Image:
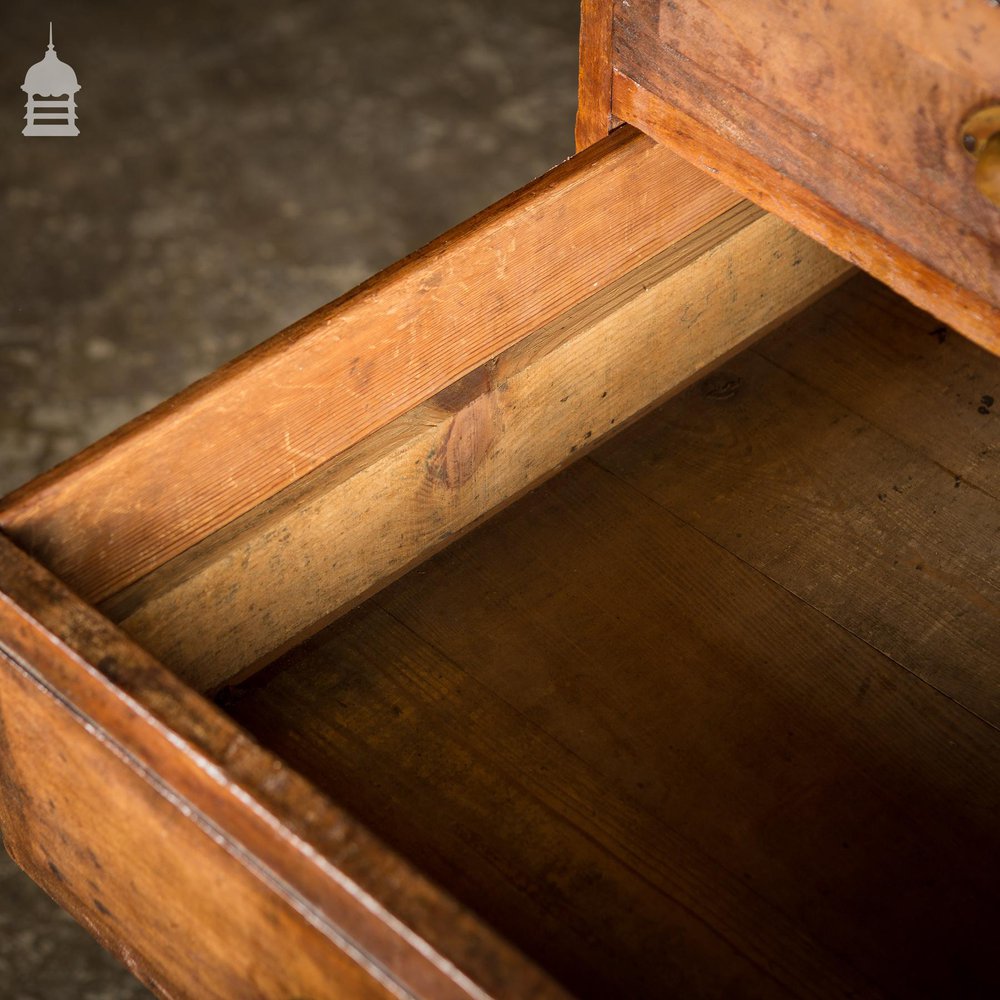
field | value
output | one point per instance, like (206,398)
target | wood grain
(887,82)
(227,605)
(656,770)
(861,525)
(904,372)
(129,503)
(515,823)
(153,885)
(859,150)
(593,114)
(203,861)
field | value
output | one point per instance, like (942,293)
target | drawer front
(211,869)
(164,892)
(846,119)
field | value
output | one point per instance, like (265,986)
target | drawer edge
(191,852)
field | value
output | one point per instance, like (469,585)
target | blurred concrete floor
(238,166)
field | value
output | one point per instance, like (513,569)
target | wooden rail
(125,506)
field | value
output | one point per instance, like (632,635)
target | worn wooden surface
(869,506)
(904,373)
(292,564)
(521,786)
(151,490)
(593,114)
(845,121)
(207,865)
(152,885)
(669,723)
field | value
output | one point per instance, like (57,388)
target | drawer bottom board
(714,712)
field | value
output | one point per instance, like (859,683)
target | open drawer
(711,713)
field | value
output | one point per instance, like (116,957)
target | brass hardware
(981,141)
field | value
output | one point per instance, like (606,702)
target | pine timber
(713,712)
(200,859)
(893,543)
(126,505)
(226,606)
(845,121)
(638,722)
(593,115)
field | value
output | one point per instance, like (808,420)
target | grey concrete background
(238,166)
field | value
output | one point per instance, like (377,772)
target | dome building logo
(51,86)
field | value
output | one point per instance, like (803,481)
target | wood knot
(468,436)
(721,385)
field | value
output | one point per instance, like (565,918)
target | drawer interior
(714,711)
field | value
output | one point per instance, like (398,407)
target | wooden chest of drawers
(714,712)
(849,120)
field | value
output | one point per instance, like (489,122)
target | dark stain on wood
(721,385)
(469,434)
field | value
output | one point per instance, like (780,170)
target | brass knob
(988,169)
(981,140)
